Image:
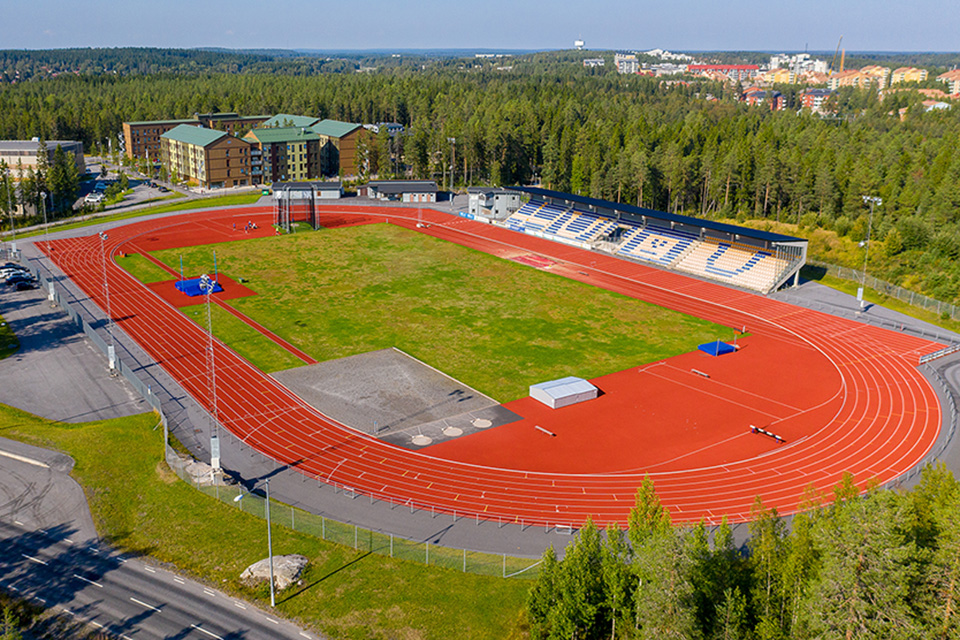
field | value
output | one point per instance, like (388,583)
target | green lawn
(8,341)
(142,269)
(140,506)
(493,324)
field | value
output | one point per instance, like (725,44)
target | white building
(626,62)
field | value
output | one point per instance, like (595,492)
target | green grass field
(493,324)
(142,269)
(140,506)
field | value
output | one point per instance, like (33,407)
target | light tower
(871,200)
(207,285)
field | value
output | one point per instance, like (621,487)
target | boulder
(286,571)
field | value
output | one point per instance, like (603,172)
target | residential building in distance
(626,62)
(874,75)
(908,74)
(798,63)
(849,78)
(283,120)
(952,80)
(27,153)
(773,99)
(213,159)
(392,128)
(142,138)
(813,99)
(777,76)
(732,72)
(400,190)
(593,62)
(283,154)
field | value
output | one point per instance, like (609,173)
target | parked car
(6,273)
(19,277)
(26,285)
(93,198)
(100,186)
(162,189)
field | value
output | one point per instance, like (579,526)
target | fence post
(391,545)
(323,527)
(504,565)
(356,544)
(426,546)
(464,560)
(293,522)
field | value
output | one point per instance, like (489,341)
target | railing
(904,295)
(350,535)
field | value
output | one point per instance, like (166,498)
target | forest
(692,148)
(884,565)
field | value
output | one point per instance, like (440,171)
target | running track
(887,416)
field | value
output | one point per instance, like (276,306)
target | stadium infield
(878,419)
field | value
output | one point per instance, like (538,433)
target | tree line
(884,565)
(690,148)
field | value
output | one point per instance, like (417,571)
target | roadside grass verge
(202,203)
(495,325)
(9,344)
(141,507)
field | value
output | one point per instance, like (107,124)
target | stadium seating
(655,244)
(737,264)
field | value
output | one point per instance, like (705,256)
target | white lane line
(18,523)
(96,624)
(238,605)
(144,604)
(37,560)
(14,456)
(149,569)
(210,593)
(39,599)
(68,540)
(88,581)
(304,635)
(125,637)
(202,630)
(178,580)
(271,620)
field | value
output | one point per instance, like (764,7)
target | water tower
(578,44)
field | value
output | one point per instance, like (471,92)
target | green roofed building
(141,138)
(338,143)
(285,120)
(213,159)
(284,154)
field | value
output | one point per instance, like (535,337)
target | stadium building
(739,256)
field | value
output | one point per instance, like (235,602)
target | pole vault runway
(878,421)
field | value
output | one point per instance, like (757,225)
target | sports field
(496,325)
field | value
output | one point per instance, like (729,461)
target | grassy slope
(8,341)
(493,324)
(140,506)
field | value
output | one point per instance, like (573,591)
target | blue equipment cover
(716,348)
(192,287)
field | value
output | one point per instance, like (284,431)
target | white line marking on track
(14,456)
(68,540)
(149,569)
(18,523)
(210,593)
(37,560)
(202,630)
(179,581)
(88,581)
(144,604)
(271,620)
(304,635)
(238,605)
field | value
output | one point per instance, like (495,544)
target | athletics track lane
(888,418)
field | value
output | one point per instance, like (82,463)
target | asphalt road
(49,555)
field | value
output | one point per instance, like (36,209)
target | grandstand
(739,256)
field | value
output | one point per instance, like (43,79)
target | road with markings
(50,562)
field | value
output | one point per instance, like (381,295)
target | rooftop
(194,135)
(287,120)
(282,134)
(335,128)
(404,186)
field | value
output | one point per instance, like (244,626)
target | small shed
(563,392)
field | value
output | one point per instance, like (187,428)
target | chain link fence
(894,291)
(345,534)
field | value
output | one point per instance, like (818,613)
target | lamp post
(453,165)
(46,229)
(266,484)
(207,285)
(111,349)
(13,225)
(871,200)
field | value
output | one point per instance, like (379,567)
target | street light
(871,200)
(207,285)
(266,483)
(43,203)
(111,349)
(13,225)
(453,165)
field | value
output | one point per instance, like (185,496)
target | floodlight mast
(871,200)
(111,349)
(207,285)
(266,484)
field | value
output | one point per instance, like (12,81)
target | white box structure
(563,392)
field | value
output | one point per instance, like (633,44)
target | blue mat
(716,348)
(192,287)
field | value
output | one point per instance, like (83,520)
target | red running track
(881,420)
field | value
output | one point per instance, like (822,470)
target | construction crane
(833,63)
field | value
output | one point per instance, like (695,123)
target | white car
(93,198)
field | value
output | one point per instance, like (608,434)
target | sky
(678,25)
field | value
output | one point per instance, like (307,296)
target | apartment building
(284,154)
(142,138)
(212,159)
(908,74)
(732,72)
(952,80)
(338,146)
(626,62)
(814,99)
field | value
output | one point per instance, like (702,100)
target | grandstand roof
(596,203)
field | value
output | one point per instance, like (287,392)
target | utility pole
(871,200)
